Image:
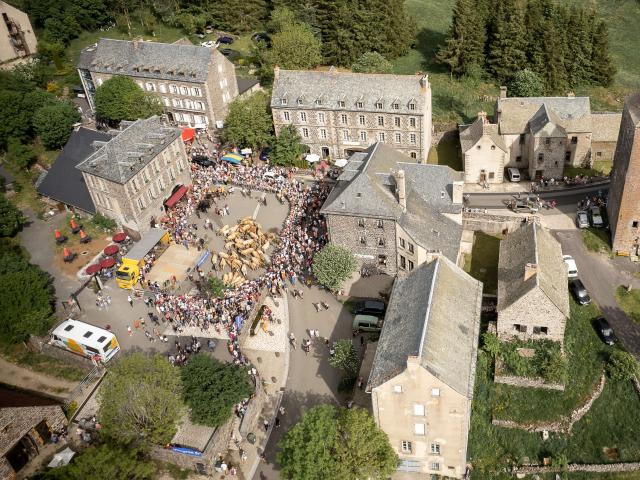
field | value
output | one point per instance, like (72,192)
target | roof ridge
(429,302)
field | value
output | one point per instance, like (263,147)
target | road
(563,198)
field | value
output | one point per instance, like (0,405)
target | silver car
(582,219)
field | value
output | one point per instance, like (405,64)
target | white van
(514,174)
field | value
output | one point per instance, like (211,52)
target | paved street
(570,197)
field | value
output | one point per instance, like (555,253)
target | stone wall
(494,224)
(40,345)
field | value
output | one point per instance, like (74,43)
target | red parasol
(108,262)
(93,269)
(119,237)
(111,250)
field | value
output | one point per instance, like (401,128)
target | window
(68,328)
(359,104)
(382,260)
(435,448)
(286,116)
(435,466)
(305,132)
(340,103)
(418,428)
(418,410)
(91,349)
(303,116)
(363,240)
(323,133)
(318,101)
(345,135)
(381,242)
(398,137)
(177,103)
(163,88)
(412,138)
(397,389)
(520,328)
(412,106)
(402,243)
(102,339)
(196,91)
(574,140)
(361,120)
(299,101)
(160,184)
(435,392)
(395,106)
(410,245)
(403,262)
(493,147)
(135,184)
(519,158)
(87,334)
(381,136)
(492,175)
(140,203)
(380,121)
(540,330)
(199,105)
(410,265)
(363,136)
(567,157)
(172,175)
(151,194)
(547,141)
(598,154)
(166,102)
(151,87)
(283,101)
(361,222)
(379,105)
(541,158)
(405,446)
(634,224)
(380,223)
(412,122)
(145,175)
(522,138)
(343,119)
(396,121)
(321,118)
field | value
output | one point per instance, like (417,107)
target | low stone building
(131,176)
(533,298)
(623,207)
(23,430)
(423,372)
(338,113)
(606,127)
(17,38)
(394,214)
(484,153)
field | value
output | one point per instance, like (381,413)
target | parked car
(367,323)
(572,268)
(227,40)
(264,154)
(580,292)
(202,160)
(605,331)
(596,217)
(226,51)
(523,206)
(262,37)
(514,174)
(370,307)
(582,219)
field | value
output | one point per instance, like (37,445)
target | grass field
(455,101)
(597,240)
(629,302)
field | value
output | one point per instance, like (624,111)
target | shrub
(333,266)
(622,366)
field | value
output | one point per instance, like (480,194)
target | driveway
(602,275)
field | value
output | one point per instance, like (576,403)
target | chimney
(276,71)
(424,81)
(457,192)
(530,269)
(401,189)
(483,116)
(571,95)
(503,92)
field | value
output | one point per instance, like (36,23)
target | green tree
(333,265)
(216,287)
(54,123)
(603,69)
(120,98)
(622,366)
(506,43)
(281,18)
(11,219)
(287,148)
(346,358)
(15,121)
(140,400)
(248,123)
(211,389)
(105,462)
(491,344)
(372,62)
(19,155)
(295,48)
(526,83)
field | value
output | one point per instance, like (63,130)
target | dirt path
(21,377)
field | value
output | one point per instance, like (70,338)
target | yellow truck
(128,273)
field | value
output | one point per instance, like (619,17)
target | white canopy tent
(313,158)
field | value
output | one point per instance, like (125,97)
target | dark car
(605,331)
(580,292)
(370,307)
(226,40)
(262,37)
(226,51)
(202,160)
(264,154)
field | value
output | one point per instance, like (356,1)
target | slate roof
(367,187)
(332,86)
(64,182)
(167,61)
(472,133)
(245,84)
(573,114)
(433,314)
(606,127)
(535,245)
(546,123)
(131,150)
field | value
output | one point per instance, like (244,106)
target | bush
(54,123)
(491,344)
(216,287)
(345,357)
(103,222)
(622,366)
(333,266)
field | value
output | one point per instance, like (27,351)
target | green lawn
(597,240)
(629,302)
(482,264)
(447,152)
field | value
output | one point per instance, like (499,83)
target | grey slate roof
(472,133)
(366,188)
(573,113)
(245,84)
(535,245)
(332,86)
(168,61)
(433,314)
(606,127)
(546,123)
(64,182)
(131,150)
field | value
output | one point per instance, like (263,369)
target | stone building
(23,431)
(195,84)
(339,113)
(623,207)
(131,176)
(606,127)
(423,371)
(394,214)
(483,150)
(17,39)
(533,299)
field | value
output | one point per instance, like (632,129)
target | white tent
(313,158)
(341,163)
(62,458)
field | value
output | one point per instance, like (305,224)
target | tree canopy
(333,265)
(140,400)
(211,389)
(346,358)
(120,98)
(526,83)
(295,47)
(248,123)
(287,148)
(622,366)
(11,219)
(345,442)
(371,62)
(53,123)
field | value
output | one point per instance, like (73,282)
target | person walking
(277,422)
(130,300)
(266,425)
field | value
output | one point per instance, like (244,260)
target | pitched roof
(534,245)
(472,133)
(573,113)
(15,423)
(428,318)
(332,86)
(546,123)
(131,150)
(169,61)
(64,182)
(245,84)
(606,127)
(367,189)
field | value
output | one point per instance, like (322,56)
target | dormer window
(283,101)
(299,101)
(359,104)
(318,101)
(412,106)
(395,106)
(340,103)
(379,105)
